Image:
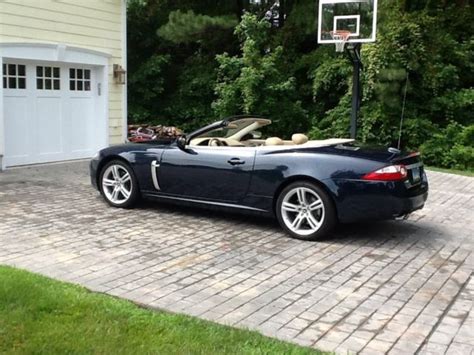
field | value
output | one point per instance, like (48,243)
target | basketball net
(341,38)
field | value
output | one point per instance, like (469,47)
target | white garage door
(51,112)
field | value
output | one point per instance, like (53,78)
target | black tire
(318,222)
(132,185)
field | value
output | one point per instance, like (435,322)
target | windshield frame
(230,130)
(257,121)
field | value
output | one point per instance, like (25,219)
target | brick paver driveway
(399,287)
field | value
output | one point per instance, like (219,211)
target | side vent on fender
(154,175)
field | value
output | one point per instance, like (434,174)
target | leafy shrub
(451,147)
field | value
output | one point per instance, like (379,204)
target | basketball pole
(348,24)
(354,55)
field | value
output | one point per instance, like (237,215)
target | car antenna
(403,112)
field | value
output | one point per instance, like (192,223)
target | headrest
(273,141)
(299,138)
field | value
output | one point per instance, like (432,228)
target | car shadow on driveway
(209,212)
(353,233)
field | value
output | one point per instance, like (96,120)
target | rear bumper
(358,200)
(408,205)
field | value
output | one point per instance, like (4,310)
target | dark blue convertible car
(308,185)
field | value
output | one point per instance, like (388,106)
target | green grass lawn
(42,316)
(452,171)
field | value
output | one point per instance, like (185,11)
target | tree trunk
(281,13)
(240,8)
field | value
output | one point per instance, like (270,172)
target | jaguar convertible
(308,185)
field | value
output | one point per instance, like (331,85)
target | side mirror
(256,134)
(181,142)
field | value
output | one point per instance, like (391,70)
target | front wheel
(305,211)
(118,184)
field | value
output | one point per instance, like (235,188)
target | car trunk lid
(388,156)
(377,153)
(414,165)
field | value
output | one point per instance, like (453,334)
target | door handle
(235,161)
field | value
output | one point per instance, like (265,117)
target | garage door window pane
(11,83)
(79,79)
(14,76)
(11,70)
(44,77)
(87,83)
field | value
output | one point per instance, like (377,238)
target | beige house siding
(90,24)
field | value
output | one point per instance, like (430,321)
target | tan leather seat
(273,141)
(299,138)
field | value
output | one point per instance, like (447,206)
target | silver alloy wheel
(303,211)
(117,184)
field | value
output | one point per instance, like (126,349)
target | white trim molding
(124,65)
(53,52)
(2,125)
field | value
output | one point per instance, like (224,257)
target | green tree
(257,81)
(188,27)
(172,46)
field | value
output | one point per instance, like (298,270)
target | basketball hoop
(340,37)
(351,22)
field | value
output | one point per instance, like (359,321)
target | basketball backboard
(356,19)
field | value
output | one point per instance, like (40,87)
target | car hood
(141,146)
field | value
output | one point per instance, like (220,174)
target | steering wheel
(214,142)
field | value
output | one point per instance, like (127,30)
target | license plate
(416,174)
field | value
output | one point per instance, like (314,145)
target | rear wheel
(305,211)
(118,184)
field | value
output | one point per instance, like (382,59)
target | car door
(214,173)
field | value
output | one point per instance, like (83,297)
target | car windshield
(230,130)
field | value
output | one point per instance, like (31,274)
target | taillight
(389,173)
